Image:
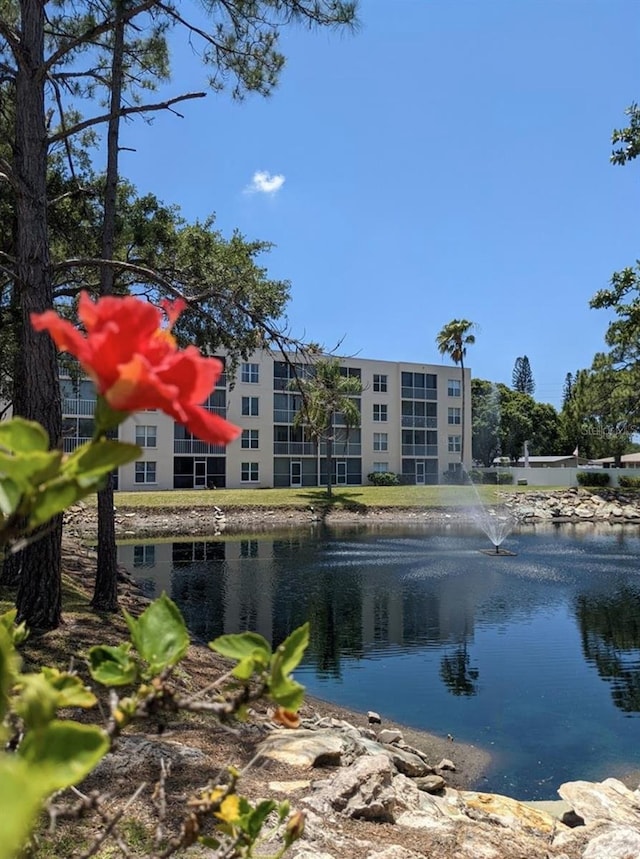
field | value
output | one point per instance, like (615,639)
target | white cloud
(265,183)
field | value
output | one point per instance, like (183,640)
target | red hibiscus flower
(136,364)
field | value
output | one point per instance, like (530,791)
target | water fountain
(495,523)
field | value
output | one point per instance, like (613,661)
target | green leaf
(10,495)
(99,458)
(31,468)
(8,667)
(286,692)
(71,692)
(246,668)
(253,822)
(37,701)
(21,796)
(112,666)
(53,499)
(159,634)
(292,649)
(242,646)
(23,436)
(63,752)
(107,418)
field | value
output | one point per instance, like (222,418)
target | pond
(534,656)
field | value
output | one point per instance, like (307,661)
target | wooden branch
(125,111)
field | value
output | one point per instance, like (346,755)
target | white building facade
(411,424)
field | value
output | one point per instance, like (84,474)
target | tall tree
(242,42)
(453,340)
(567,389)
(485,417)
(522,377)
(327,393)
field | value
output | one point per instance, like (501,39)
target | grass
(347,498)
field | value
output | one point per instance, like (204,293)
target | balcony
(294,448)
(419,449)
(221,411)
(193,446)
(411,422)
(72,407)
(70,443)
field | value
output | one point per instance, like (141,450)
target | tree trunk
(37,387)
(462,416)
(105,594)
(329,458)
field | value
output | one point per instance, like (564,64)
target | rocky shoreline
(615,507)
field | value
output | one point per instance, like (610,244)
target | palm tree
(325,393)
(453,340)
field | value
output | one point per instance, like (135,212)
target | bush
(593,478)
(502,478)
(629,482)
(383,478)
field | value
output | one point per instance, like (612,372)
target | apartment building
(411,424)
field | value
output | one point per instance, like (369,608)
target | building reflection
(271,586)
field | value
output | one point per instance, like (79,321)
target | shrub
(593,478)
(629,482)
(383,478)
(502,478)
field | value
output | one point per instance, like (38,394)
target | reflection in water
(418,625)
(456,672)
(610,627)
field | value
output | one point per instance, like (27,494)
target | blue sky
(449,159)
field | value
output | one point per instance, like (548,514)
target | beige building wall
(248,462)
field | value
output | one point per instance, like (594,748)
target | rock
(609,800)
(395,852)
(289,786)
(388,736)
(363,790)
(430,783)
(509,812)
(374,718)
(617,844)
(406,762)
(446,764)
(303,748)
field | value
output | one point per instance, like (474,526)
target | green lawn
(352,497)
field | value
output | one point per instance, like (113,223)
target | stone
(509,812)
(623,843)
(291,786)
(406,762)
(363,790)
(389,736)
(395,851)
(430,783)
(609,800)
(374,718)
(303,748)
(446,764)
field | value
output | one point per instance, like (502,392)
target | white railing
(186,445)
(70,443)
(75,407)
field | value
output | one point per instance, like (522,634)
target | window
(145,472)
(381,467)
(380,383)
(249,472)
(455,443)
(380,441)
(453,388)
(250,406)
(250,373)
(379,412)
(454,415)
(249,438)
(144,556)
(146,436)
